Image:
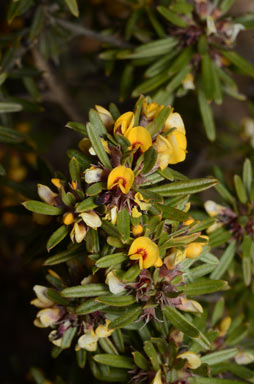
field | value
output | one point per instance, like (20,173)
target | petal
(46,194)
(124,122)
(91,219)
(139,137)
(115,285)
(121,176)
(175,121)
(179,144)
(41,293)
(193,360)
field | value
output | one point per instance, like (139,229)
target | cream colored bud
(42,300)
(213,209)
(93,175)
(56,342)
(175,257)
(190,306)
(46,194)
(91,219)
(244,358)
(157,379)
(88,341)
(193,360)
(78,233)
(115,285)
(188,82)
(49,316)
(177,336)
(105,116)
(92,151)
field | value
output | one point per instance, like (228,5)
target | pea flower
(115,285)
(151,110)
(47,317)
(124,123)
(121,177)
(189,306)
(194,250)
(140,138)
(146,252)
(105,116)
(89,340)
(42,300)
(137,230)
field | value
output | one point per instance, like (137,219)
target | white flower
(48,316)
(42,300)
(115,285)
(46,194)
(88,341)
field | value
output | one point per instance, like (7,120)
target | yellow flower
(194,250)
(142,203)
(175,257)
(121,177)
(103,331)
(178,144)
(68,218)
(135,213)
(164,151)
(137,230)
(124,123)
(146,252)
(139,137)
(224,325)
(174,121)
(193,360)
(111,215)
(151,110)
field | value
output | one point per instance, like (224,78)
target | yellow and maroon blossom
(146,252)
(140,138)
(124,123)
(122,178)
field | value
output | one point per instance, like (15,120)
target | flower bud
(175,257)
(137,230)
(49,316)
(224,325)
(68,218)
(244,358)
(105,116)
(52,338)
(42,300)
(103,331)
(190,306)
(78,232)
(193,360)
(115,285)
(213,209)
(46,194)
(93,175)
(91,219)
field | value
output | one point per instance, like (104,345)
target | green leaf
(207,76)
(246,263)
(117,301)
(81,358)
(84,161)
(217,357)
(123,223)
(247,175)
(95,189)
(68,337)
(155,23)
(110,229)
(246,20)
(154,48)
(178,79)
(107,346)
(97,145)
(10,107)
(171,213)
(218,237)
(243,65)
(126,82)
(212,380)
(140,361)
(43,208)
(157,124)
(225,5)
(57,237)
(207,115)
(96,121)
(152,354)
(181,61)
(86,205)
(225,194)
(88,290)
(74,170)
(37,23)
(240,190)
(126,319)
(78,127)
(55,296)
(152,83)
(109,260)
(184,187)
(160,64)
(89,306)
(218,310)
(10,136)
(172,17)
(150,157)
(73,7)
(203,286)
(64,256)
(180,322)
(115,361)
(225,261)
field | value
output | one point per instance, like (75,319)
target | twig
(58,93)
(83,31)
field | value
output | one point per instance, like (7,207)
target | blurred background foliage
(51,72)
